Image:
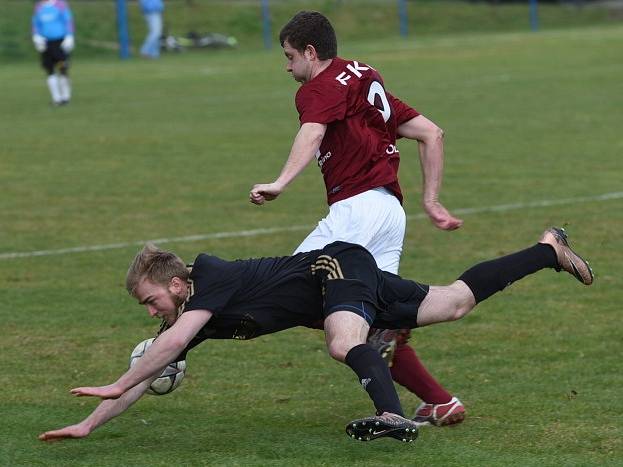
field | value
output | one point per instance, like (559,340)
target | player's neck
(320,67)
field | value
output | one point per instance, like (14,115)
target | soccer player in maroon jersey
(350,123)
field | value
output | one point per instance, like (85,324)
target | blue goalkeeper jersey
(52,19)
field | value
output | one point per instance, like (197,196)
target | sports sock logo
(365,382)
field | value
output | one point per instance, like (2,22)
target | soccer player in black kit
(340,286)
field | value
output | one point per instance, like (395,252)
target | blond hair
(156,265)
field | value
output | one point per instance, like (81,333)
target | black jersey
(253,297)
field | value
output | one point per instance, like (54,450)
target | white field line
(295,228)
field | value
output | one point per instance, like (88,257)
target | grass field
(167,149)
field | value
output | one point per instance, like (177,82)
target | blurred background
(249,21)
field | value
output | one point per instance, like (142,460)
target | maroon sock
(408,371)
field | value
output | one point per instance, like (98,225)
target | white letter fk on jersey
(355,69)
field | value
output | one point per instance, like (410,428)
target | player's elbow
(434,135)
(431,135)
(440,133)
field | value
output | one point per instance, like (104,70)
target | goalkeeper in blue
(53,38)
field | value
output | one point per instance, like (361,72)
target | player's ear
(177,285)
(310,52)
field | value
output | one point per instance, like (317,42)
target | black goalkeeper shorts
(54,56)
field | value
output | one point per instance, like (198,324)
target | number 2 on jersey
(378,98)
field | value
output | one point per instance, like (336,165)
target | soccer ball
(170,378)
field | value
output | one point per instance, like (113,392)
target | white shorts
(373,219)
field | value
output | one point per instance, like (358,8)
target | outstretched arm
(430,142)
(306,144)
(103,412)
(163,351)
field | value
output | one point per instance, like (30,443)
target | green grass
(170,148)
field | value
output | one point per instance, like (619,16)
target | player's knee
(459,312)
(339,350)
(462,300)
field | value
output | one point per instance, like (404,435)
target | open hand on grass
(71,431)
(112,391)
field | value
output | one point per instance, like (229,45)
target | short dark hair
(310,28)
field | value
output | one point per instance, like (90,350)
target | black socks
(490,277)
(375,378)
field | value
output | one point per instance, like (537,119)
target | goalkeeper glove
(68,44)
(39,42)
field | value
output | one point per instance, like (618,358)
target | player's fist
(39,42)
(265,192)
(68,44)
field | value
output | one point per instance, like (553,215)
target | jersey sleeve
(321,104)
(213,283)
(403,112)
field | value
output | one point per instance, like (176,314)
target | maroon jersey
(358,151)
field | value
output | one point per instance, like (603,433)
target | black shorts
(54,55)
(351,281)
